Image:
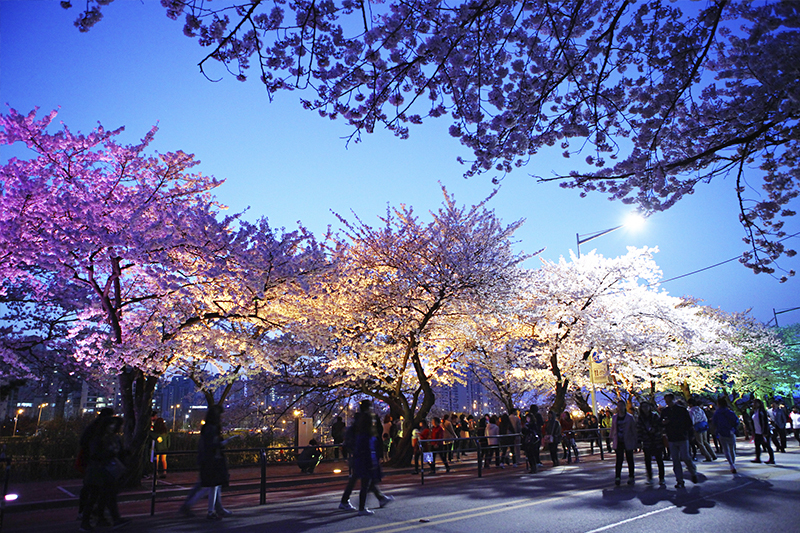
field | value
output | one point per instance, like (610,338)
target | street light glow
(634,221)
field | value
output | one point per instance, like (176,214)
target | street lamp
(174,408)
(633,220)
(19,412)
(39,419)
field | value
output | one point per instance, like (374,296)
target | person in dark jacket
(358,467)
(761,431)
(651,433)
(678,427)
(309,458)
(531,442)
(337,432)
(725,422)
(213,467)
(104,472)
(81,462)
(623,433)
(552,436)
(366,460)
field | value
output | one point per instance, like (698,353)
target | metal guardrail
(481,448)
(263,462)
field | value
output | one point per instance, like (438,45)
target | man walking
(678,427)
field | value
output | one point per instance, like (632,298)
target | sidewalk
(56,501)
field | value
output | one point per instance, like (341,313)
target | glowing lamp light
(11,497)
(337,470)
(634,221)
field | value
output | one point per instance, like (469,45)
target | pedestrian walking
(594,433)
(570,447)
(358,463)
(213,467)
(779,417)
(516,428)
(437,445)
(421,446)
(726,422)
(795,416)
(104,473)
(623,433)
(651,432)
(678,427)
(366,459)
(82,460)
(700,426)
(761,431)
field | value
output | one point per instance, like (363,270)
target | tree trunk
(583,402)
(136,391)
(560,401)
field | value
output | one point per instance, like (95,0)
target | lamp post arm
(591,236)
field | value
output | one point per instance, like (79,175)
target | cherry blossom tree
(131,247)
(767,364)
(385,314)
(649,339)
(656,96)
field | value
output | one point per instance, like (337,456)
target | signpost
(598,370)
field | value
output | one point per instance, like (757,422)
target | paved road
(576,498)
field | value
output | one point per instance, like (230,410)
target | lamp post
(174,409)
(39,419)
(16,418)
(634,219)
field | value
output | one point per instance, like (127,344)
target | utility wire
(720,263)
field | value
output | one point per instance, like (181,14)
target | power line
(720,263)
(701,270)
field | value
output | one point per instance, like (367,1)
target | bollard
(262,499)
(480,457)
(155,478)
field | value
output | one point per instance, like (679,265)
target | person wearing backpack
(700,424)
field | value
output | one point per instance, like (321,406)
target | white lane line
(68,493)
(669,508)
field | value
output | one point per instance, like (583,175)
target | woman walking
(213,467)
(761,431)
(366,459)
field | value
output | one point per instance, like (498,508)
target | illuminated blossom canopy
(129,253)
(655,96)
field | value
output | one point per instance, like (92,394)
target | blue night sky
(136,69)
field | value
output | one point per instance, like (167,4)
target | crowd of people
(674,431)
